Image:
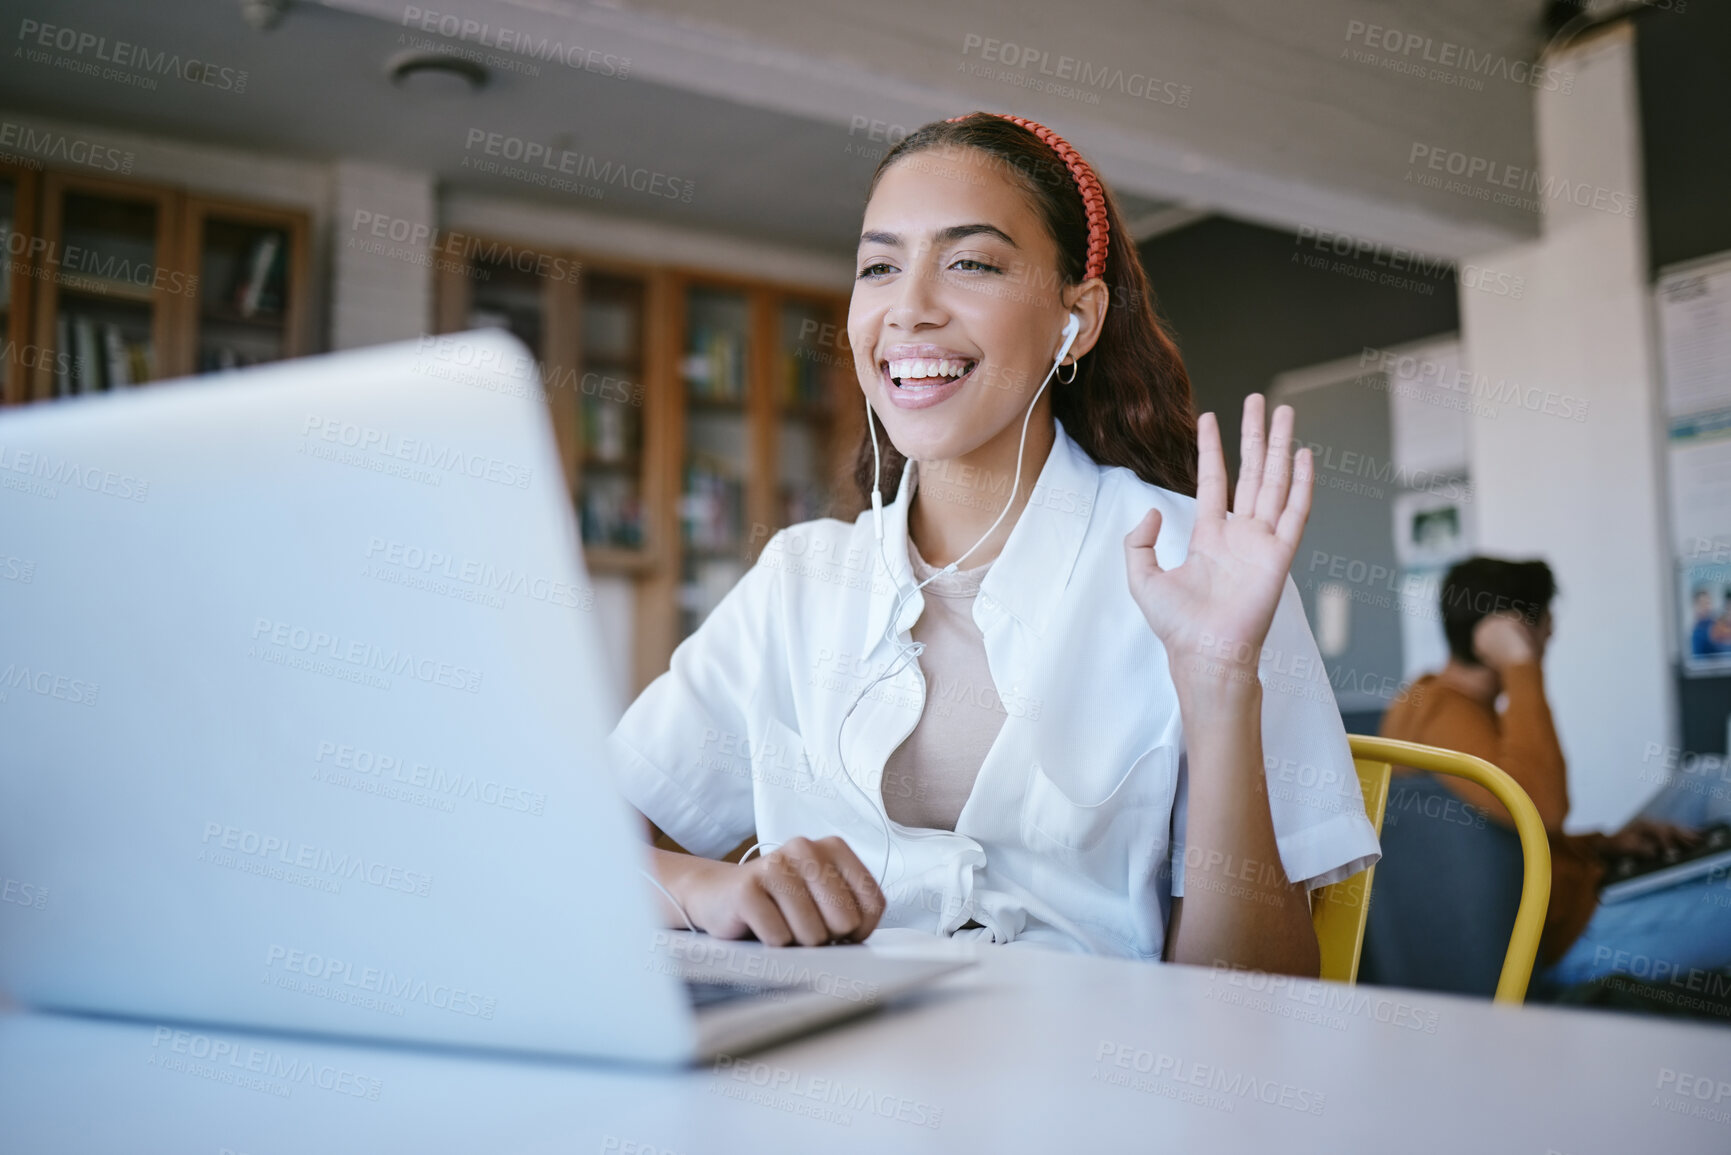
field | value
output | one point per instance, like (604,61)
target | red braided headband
(1093,196)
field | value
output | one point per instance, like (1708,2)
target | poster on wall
(1431,529)
(1695,336)
(1692,304)
(1705,595)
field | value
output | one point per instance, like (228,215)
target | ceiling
(759,104)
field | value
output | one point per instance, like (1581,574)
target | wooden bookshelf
(696,414)
(128,283)
(764,436)
(620,396)
(595,331)
(17,230)
(106,285)
(251,301)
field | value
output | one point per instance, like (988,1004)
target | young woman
(1131,748)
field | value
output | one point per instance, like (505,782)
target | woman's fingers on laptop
(760,913)
(820,893)
(790,875)
(868,899)
(814,893)
(805,892)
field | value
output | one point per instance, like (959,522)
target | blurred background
(1481,245)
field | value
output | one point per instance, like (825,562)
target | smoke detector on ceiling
(263,14)
(435,73)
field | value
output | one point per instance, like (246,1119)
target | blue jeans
(1661,937)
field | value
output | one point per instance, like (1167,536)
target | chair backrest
(1339,911)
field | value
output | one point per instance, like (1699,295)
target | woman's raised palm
(1220,601)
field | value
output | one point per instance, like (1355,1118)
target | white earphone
(909,651)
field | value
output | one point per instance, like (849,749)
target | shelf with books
(110,284)
(17,227)
(585,323)
(712,504)
(717,328)
(129,283)
(721,435)
(505,297)
(811,450)
(107,345)
(613,398)
(249,304)
(810,346)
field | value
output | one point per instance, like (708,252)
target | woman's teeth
(922,372)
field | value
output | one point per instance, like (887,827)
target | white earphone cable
(908,651)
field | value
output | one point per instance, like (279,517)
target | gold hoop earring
(1066,380)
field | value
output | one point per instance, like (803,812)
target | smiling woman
(1127,404)
(1059,743)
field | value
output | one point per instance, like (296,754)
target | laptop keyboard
(706,994)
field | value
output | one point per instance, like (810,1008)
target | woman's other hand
(805,893)
(1213,610)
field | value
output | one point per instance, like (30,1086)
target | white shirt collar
(1034,566)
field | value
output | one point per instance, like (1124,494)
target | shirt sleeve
(681,754)
(1319,821)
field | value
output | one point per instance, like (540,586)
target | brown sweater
(1522,742)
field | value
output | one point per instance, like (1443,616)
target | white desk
(1031,1050)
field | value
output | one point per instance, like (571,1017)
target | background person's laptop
(302,719)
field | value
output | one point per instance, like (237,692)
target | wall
(1584,495)
(1685,91)
(1247,304)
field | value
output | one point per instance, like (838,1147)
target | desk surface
(1031,1050)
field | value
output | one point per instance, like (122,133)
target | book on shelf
(714,368)
(612,512)
(258,289)
(91,356)
(609,429)
(803,381)
(5,263)
(89,378)
(712,505)
(65,357)
(221,358)
(115,357)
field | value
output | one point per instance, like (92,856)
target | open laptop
(302,719)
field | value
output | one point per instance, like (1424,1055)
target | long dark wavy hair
(1130,403)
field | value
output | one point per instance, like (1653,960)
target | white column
(1584,495)
(379,291)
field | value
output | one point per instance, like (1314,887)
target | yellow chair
(1339,911)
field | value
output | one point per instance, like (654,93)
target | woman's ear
(1089,300)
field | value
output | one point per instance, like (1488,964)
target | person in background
(1719,633)
(1448,886)
(1701,640)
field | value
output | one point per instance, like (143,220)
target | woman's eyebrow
(943,236)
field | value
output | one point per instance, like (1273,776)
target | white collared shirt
(1074,833)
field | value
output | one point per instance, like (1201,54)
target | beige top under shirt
(930,775)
